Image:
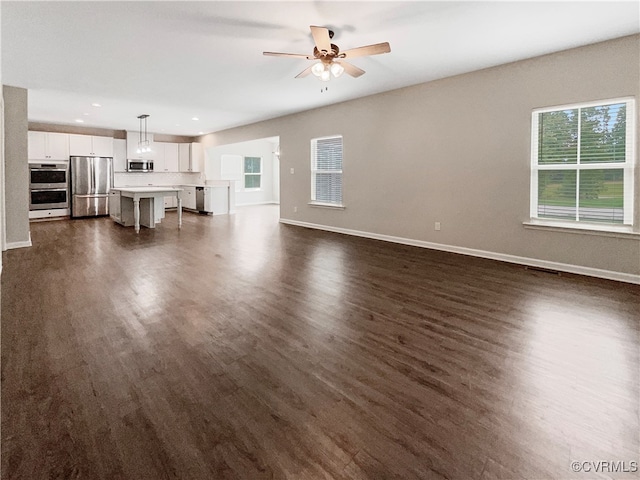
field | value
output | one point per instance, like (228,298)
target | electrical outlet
(437,226)
(291,170)
(295,209)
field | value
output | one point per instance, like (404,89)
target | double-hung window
(326,171)
(582,163)
(252,173)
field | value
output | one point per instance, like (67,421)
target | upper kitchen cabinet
(132,146)
(88,145)
(119,155)
(48,146)
(184,157)
(190,157)
(165,157)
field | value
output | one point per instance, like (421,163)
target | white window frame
(628,167)
(245,174)
(315,170)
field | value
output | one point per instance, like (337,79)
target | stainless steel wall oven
(48,185)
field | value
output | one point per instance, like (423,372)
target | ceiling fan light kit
(327,53)
(337,69)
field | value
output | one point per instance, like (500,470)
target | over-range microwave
(140,165)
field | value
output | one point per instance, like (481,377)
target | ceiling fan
(330,57)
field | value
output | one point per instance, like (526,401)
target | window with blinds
(252,173)
(582,163)
(326,170)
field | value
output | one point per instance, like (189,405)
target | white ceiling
(178,60)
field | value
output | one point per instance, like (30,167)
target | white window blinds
(582,163)
(326,170)
(252,173)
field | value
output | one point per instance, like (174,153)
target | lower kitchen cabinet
(53,213)
(115,207)
(189,198)
(171,202)
(121,211)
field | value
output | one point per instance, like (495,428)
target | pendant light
(144,146)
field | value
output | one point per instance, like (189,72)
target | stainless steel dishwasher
(200,199)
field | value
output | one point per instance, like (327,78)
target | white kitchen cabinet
(171,202)
(121,210)
(158,156)
(53,213)
(89,145)
(197,157)
(102,146)
(171,157)
(190,157)
(115,208)
(189,198)
(184,157)
(48,146)
(165,157)
(119,155)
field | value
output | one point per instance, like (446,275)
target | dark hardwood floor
(241,348)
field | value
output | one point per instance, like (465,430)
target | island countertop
(148,189)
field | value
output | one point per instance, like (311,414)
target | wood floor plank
(242,348)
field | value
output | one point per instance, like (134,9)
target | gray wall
(16,180)
(456,151)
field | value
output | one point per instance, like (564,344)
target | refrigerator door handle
(93,175)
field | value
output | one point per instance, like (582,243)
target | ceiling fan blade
(294,55)
(351,69)
(376,49)
(321,38)
(304,73)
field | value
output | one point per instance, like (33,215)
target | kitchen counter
(151,189)
(127,200)
(219,197)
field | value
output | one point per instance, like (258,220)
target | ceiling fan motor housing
(329,56)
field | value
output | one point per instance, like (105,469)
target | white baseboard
(268,202)
(503,257)
(12,245)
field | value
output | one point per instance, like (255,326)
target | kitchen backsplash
(144,179)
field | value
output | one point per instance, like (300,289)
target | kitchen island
(142,205)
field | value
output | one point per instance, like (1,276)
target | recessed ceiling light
(200,133)
(79,120)
(195,118)
(96,105)
(86,114)
(177,124)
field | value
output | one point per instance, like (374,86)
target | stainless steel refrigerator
(91,179)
